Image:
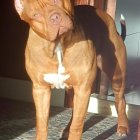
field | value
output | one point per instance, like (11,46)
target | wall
(14,34)
(22,90)
(130,9)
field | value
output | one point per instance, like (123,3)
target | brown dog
(87,37)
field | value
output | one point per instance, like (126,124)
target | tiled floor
(17,122)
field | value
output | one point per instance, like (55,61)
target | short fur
(89,38)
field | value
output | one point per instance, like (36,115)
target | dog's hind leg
(116,74)
(118,86)
(113,63)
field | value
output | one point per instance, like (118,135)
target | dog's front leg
(81,100)
(41,97)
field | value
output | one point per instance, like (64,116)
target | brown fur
(89,39)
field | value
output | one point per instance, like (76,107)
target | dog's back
(97,24)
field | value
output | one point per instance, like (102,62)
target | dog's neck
(73,36)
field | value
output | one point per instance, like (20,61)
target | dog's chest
(58,79)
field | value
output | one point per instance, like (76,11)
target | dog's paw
(122,131)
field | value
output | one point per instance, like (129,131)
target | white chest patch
(58,79)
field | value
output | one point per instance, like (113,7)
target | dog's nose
(55,18)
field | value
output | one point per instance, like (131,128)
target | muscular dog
(85,38)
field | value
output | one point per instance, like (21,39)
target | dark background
(13,37)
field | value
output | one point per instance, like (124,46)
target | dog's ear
(68,6)
(19,6)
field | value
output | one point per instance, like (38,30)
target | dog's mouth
(62,30)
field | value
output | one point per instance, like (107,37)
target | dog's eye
(36,15)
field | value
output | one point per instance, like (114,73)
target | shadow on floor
(17,122)
(17,117)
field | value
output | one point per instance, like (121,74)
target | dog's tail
(123,27)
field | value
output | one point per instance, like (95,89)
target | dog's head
(48,18)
